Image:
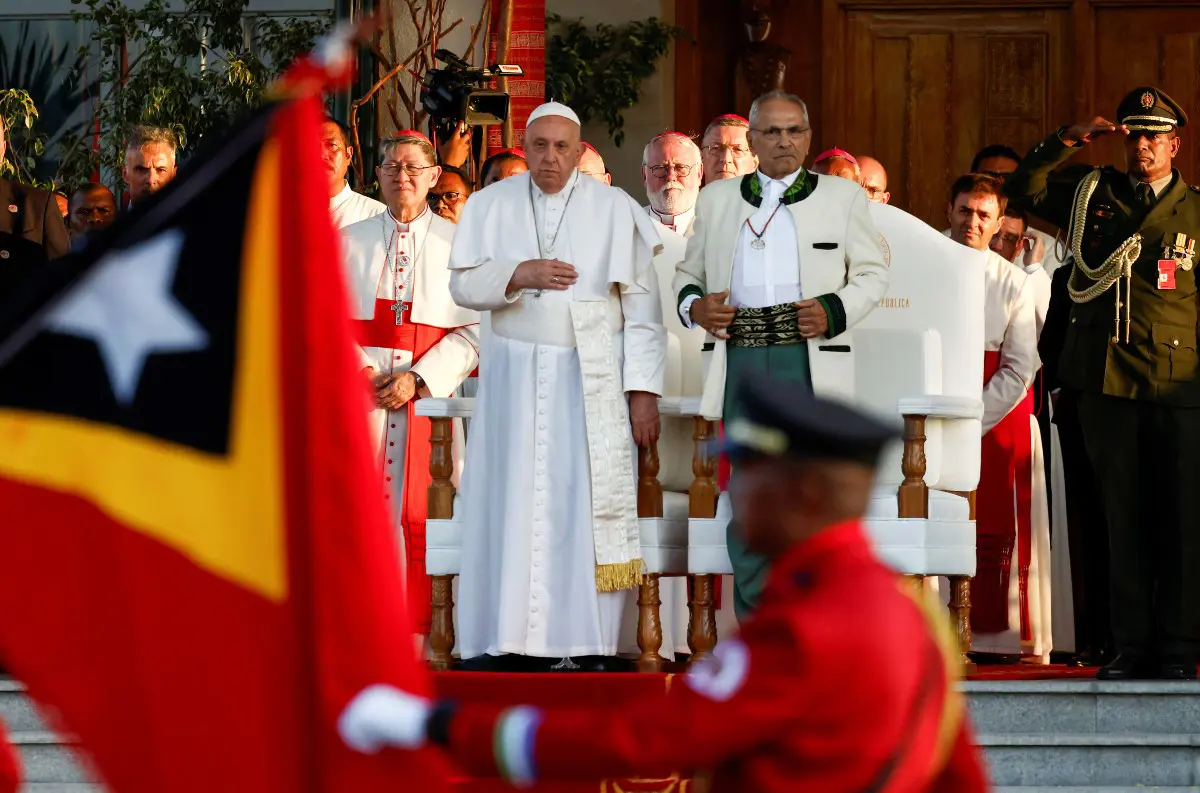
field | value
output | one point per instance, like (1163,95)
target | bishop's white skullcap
(552,109)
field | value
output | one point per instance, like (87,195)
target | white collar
(677,223)
(423,219)
(338,199)
(787,181)
(561,194)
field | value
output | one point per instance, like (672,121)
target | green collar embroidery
(801,188)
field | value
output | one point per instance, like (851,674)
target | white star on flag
(126,307)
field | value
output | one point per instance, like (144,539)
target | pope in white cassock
(1010,594)
(415,342)
(572,368)
(345,205)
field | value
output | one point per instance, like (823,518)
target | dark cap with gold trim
(779,420)
(1149,109)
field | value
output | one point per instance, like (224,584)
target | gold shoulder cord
(1117,266)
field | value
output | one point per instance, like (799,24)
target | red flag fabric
(196,569)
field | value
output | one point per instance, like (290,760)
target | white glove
(382,716)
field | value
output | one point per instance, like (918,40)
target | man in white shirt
(571,374)
(726,149)
(1000,160)
(414,341)
(1016,242)
(770,275)
(345,205)
(1010,613)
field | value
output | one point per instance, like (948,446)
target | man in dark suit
(1130,350)
(32,230)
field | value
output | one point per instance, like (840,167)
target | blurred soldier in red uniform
(797,707)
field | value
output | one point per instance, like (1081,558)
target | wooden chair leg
(649,625)
(441,633)
(702,613)
(917,582)
(913,494)
(702,503)
(960,612)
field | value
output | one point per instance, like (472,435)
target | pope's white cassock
(349,207)
(390,264)
(550,536)
(1011,608)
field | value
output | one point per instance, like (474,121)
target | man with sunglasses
(772,275)
(414,341)
(1130,352)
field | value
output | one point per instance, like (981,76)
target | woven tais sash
(765,327)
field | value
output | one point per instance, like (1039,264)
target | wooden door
(1150,43)
(923,90)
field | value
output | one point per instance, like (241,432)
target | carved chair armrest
(938,406)
(452,408)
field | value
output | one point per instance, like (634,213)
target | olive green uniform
(1139,396)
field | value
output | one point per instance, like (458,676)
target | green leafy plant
(599,71)
(25,144)
(195,66)
(51,97)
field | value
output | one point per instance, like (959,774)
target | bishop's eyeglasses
(393,169)
(662,170)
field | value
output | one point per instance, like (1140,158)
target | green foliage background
(599,71)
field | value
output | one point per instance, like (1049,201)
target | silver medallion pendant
(758,244)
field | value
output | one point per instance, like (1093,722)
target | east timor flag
(196,569)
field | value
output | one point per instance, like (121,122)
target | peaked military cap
(1149,109)
(780,421)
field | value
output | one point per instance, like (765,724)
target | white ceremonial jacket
(684,376)
(348,207)
(840,256)
(452,359)
(1010,326)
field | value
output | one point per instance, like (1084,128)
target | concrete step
(1084,706)
(17,710)
(61,787)
(47,758)
(1094,760)
(1137,789)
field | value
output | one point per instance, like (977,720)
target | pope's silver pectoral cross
(399,307)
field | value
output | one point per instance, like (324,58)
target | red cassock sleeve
(754,688)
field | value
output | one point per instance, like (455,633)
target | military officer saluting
(796,709)
(1130,350)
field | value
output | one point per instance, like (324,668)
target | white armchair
(662,525)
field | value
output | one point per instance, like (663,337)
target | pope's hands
(811,317)
(643,415)
(1090,130)
(383,716)
(711,313)
(393,391)
(543,274)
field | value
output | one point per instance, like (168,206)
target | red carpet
(1032,672)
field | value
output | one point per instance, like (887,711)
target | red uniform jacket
(838,683)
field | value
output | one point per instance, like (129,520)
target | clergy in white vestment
(672,174)
(1016,242)
(1010,594)
(414,341)
(345,205)
(571,375)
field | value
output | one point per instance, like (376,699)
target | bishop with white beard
(572,371)
(415,342)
